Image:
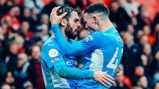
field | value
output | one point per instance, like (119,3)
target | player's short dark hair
(64,9)
(97,8)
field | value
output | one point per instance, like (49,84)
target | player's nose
(79,24)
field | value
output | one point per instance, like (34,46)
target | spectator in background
(17,12)
(156,77)
(139,34)
(28,85)
(131,7)
(1,34)
(130,29)
(154,66)
(156,86)
(35,64)
(143,41)
(24,31)
(20,42)
(7,22)
(4,8)
(156,19)
(134,22)
(131,54)
(3,71)
(34,19)
(142,82)
(147,52)
(150,37)
(123,82)
(143,17)
(21,70)
(34,3)
(43,32)
(14,13)
(145,63)
(11,21)
(11,59)
(17,3)
(138,72)
(44,20)
(10,80)
(119,16)
(156,33)
(26,15)
(3,42)
(5,86)
(36,41)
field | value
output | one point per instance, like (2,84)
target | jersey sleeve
(50,54)
(91,42)
(76,48)
(72,73)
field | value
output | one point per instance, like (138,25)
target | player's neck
(105,25)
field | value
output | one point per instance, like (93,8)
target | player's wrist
(95,75)
(92,74)
(55,26)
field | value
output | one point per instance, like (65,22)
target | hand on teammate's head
(54,18)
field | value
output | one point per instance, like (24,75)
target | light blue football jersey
(104,54)
(102,50)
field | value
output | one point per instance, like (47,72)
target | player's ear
(63,22)
(96,19)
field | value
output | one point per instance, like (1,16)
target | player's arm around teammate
(54,60)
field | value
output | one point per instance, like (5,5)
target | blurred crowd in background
(24,27)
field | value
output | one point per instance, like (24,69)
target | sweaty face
(73,25)
(90,23)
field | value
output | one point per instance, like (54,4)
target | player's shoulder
(50,49)
(110,33)
(50,43)
(100,35)
(96,35)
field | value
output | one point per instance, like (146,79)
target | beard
(69,32)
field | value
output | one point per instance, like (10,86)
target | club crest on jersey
(70,63)
(53,52)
